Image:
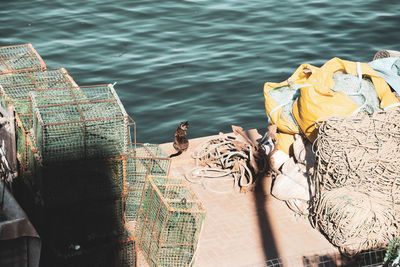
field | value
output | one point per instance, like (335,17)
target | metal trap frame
(20,57)
(142,160)
(169,222)
(15,87)
(82,122)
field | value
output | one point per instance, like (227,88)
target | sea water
(205,61)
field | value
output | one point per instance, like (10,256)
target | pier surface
(248,229)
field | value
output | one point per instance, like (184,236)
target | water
(200,60)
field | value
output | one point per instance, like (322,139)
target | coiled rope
(223,159)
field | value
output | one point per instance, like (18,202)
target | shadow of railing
(264,221)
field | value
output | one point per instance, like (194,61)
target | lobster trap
(169,222)
(15,88)
(20,57)
(65,183)
(141,160)
(80,123)
(25,147)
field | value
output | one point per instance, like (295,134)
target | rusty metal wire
(20,57)
(142,160)
(15,88)
(169,222)
(79,122)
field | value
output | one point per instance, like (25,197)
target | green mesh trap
(21,140)
(15,86)
(79,123)
(72,182)
(20,57)
(169,222)
(142,159)
(106,179)
(25,147)
(126,253)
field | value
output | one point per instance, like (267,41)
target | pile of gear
(335,145)
(332,146)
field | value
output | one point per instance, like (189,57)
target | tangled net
(357,180)
(355,221)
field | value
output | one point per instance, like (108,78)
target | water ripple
(197,60)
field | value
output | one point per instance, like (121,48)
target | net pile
(285,95)
(142,159)
(361,91)
(169,222)
(357,180)
(19,57)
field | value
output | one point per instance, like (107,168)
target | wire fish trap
(142,159)
(20,57)
(169,222)
(72,182)
(84,222)
(80,123)
(67,182)
(22,140)
(104,218)
(15,88)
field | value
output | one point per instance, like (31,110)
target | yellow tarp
(318,101)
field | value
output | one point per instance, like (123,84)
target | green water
(204,61)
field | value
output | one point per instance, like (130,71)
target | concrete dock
(249,229)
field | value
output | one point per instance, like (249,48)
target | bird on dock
(181,143)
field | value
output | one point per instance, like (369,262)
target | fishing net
(355,221)
(19,57)
(361,151)
(287,96)
(357,180)
(361,91)
(169,222)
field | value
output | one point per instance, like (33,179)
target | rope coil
(224,159)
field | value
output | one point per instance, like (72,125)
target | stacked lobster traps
(76,149)
(85,182)
(20,57)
